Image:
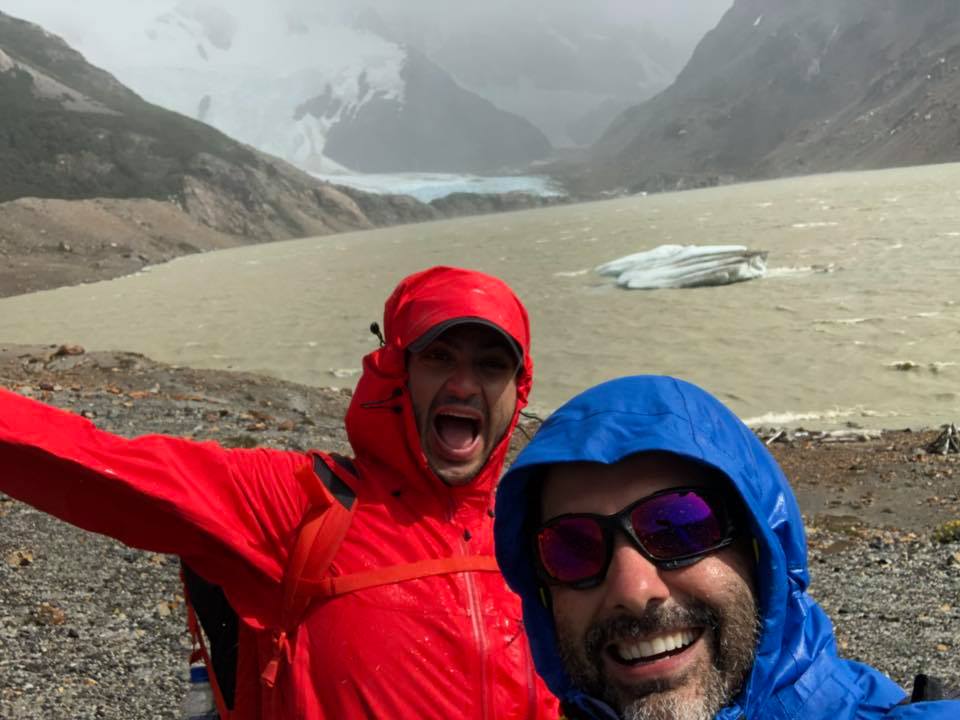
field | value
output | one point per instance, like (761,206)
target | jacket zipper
(479,633)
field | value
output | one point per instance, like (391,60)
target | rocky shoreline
(92,629)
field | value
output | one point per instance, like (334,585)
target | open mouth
(458,432)
(637,651)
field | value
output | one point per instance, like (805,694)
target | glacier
(431,186)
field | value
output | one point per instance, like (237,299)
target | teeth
(655,646)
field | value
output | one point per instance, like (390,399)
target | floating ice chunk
(846,321)
(802,270)
(684,266)
(344,373)
(571,273)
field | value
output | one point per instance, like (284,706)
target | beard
(730,632)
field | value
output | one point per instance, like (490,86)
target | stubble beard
(699,693)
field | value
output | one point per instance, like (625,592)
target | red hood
(380,421)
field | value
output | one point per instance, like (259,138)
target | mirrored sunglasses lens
(677,524)
(572,549)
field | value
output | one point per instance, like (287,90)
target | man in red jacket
(435,633)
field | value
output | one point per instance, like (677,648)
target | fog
(566,66)
(680,23)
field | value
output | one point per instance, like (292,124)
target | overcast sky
(684,21)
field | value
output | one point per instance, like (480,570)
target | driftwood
(947,441)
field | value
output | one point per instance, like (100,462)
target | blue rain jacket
(797,673)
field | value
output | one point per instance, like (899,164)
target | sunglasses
(671,528)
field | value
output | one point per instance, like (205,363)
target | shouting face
(655,644)
(464,392)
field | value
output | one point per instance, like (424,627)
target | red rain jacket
(446,646)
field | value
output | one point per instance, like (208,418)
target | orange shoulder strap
(322,530)
(332,586)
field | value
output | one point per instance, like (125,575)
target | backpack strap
(199,651)
(332,504)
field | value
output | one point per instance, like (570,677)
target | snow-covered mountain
(293,81)
(568,66)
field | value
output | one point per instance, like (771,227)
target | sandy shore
(92,629)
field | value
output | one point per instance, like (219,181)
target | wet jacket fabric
(446,646)
(797,673)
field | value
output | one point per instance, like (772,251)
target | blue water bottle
(198,703)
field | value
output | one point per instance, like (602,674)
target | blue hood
(797,673)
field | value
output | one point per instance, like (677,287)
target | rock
(19,558)
(49,614)
(69,350)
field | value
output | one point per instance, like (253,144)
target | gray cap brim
(437,330)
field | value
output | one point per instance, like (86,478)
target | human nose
(463,382)
(632,581)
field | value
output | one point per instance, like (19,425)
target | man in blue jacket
(661,559)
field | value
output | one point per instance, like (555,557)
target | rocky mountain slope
(72,131)
(298,81)
(786,87)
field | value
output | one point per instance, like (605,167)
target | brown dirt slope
(46,243)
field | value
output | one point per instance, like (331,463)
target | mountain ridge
(784,88)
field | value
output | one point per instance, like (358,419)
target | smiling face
(463,386)
(654,644)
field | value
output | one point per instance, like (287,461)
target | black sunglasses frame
(620,521)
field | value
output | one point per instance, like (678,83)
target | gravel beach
(92,629)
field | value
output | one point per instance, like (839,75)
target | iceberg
(685,266)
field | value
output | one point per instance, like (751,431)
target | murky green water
(811,348)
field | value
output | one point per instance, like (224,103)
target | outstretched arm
(230,514)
